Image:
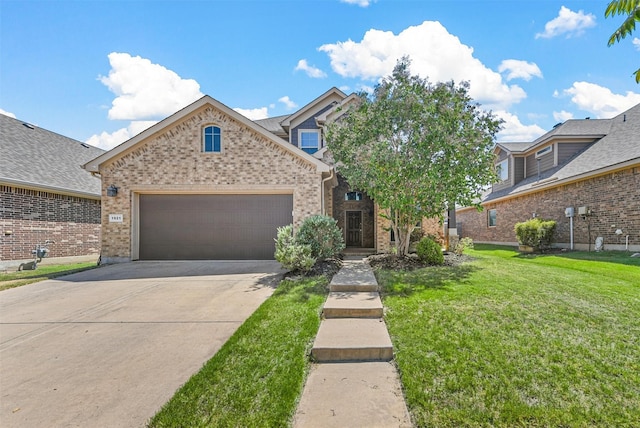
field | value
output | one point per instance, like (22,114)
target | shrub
(535,233)
(290,254)
(322,234)
(462,245)
(430,252)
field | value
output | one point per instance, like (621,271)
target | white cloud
(290,105)
(513,130)
(361,3)
(562,116)
(569,23)
(6,113)
(636,43)
(107,141)
(254,113)
(519,69)
(435,54)
(599,100)
(311,70)
(145,90)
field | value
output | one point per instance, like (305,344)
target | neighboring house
(208,183)
(45,194)
(590,166)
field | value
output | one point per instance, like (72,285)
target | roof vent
(84,145)
(557,124)
(28,125)
(587,118)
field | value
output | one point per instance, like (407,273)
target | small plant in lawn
(430,252)
(322,234)
(462,245)
(290,254)
(536,233)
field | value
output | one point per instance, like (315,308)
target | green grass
(519,341)
(24,277)
(256,378)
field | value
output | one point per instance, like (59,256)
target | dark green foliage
(536,233)
(429,252)
(322,234)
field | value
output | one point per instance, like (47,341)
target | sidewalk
(354,383)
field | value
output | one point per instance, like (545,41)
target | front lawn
(24,277)
(511,340)
(257,376)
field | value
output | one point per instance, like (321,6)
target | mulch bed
(411,262)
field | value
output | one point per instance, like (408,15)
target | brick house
(45,194)
(589,166)
(208,183)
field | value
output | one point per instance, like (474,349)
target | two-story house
(584,174)
(208,183)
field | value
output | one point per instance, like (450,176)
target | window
(353,196)
(502,169)
(492,218)
(544,151)
(309,141)
(212,137)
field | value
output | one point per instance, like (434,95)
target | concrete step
(352,395)
(353,305)
(352,339)
(354,276)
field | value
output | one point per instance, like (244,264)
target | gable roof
(94,164)
(316,105)
(35,158)
(618,148)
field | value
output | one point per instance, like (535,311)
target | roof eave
(50,189)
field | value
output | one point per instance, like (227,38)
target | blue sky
(102,71)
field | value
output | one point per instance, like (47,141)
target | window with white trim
(502,169)
(309,140)
(353,196)
(212,139)
(544,151)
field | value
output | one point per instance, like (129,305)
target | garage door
(211,227)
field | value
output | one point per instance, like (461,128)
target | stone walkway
(354,383)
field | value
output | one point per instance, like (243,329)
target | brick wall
(614,201)
(33,217)
(340,207)
(173,162)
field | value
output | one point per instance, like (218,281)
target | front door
(354,229)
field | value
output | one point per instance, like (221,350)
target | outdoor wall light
(112,190)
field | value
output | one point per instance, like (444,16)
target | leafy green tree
(631,8)
(416,148)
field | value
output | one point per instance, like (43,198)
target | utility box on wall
(568,212)
(583,211)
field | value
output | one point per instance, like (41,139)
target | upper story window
(212,139)
(544,151)
(353,196)
(309,140)
(502,169)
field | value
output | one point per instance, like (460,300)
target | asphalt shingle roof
(38,158)
(620,144)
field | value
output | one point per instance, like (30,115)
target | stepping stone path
(354,383)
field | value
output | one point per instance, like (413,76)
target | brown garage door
(211,227)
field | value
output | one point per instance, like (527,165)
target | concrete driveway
(108,347)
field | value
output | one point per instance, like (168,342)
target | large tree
(631,8)
(416,148)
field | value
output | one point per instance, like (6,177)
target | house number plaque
(115,218)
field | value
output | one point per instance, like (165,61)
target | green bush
(462,245)
(430,252)
(322,234)
(536,233)
(290,254)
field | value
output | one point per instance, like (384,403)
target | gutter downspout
(324,180)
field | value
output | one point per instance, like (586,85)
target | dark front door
(354,229)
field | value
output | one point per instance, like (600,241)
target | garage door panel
(211,227)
